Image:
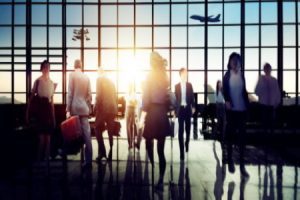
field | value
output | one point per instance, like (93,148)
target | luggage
(116,128)
(71,129)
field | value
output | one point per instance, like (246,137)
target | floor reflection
(204,175)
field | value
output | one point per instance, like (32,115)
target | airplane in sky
(208,19)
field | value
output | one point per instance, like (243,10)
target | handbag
(116,128)
(34,105)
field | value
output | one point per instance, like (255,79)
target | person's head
(45,67)
(234,62)
(77,64)
(158,68)
(183,74)
(267,69)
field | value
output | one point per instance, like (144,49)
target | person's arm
(70,95)
(32,93)
(53,111)
(97,98)
(89,97)
(246,98)
(193,99)
(277,93)
(226,91)
(258,87)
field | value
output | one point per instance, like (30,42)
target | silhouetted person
(106,110)
(268,92)
(79,103)
(154,107)
(131,111)
(236,100)
(220,109)
(185,108)
(44,122)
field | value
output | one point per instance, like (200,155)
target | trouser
(86,129)
(131,125)
(267,117)
(221,117)
(236,129)
(160,152)
(106,121)
(184,118)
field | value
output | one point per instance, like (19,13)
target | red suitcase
(71,129)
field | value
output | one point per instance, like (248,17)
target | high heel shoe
(100,157)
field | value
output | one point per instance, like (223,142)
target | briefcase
(71,129)
(116,128)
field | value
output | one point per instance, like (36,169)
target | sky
(187,41)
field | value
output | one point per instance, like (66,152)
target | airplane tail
(218,17)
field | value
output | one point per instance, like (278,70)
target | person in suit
(79,103)
(44,88)
(106,110)
(236,103)
(154,111)
(185,108)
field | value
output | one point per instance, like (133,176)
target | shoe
(100,157)
(136,145)
(159,186)
(231,167)
(244,173)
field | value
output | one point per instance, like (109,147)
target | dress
(44,120)
(157,124)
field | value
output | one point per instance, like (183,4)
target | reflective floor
(204,175)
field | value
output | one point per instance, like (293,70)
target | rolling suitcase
(71,129)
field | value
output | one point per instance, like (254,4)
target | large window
(120,35)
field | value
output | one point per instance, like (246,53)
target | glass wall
(119,35)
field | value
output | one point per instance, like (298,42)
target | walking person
(268,92)
(106,110)
(155,110)
(237,102)
(131,112)
(79,103)
(44,121)
(185,108)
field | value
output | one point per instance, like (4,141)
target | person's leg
(100,141)
(149,149)
(110,128)
(228,139)
(129,127)
(187,120)
(180,133)
(161,157)
(41,147)
(241,121)
(47,145)
(87,139)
